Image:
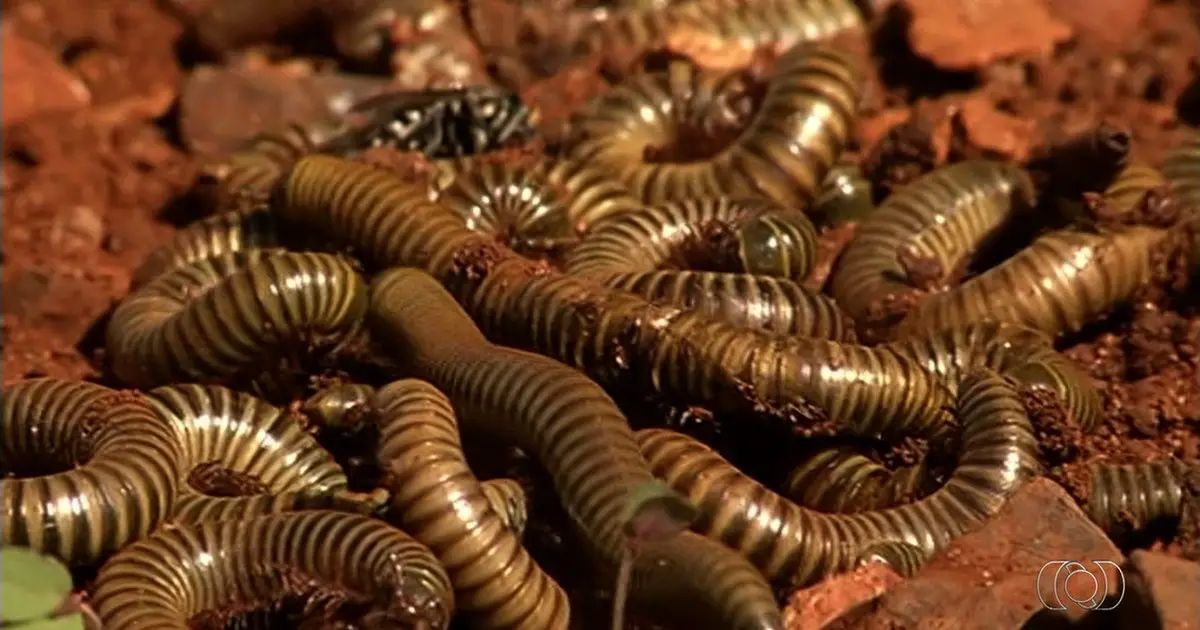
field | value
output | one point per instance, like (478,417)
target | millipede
(1130,498)
(762,240)
(167,578)
(104,453)
(846,196)
(1181,169)
(783,153)
(217,235)
(841,480)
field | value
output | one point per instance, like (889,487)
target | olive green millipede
(1131,497)
(537,206)
(629,253)
(1182,170)
(221,315)
(250,172)
(162,581)
(223,233)
(784,152)
(120,461)
(574,429)
(1022,354)
(846,196)
(903,558)
(843,481)
(797,546)
(617,338)
(249,438)
(437,498)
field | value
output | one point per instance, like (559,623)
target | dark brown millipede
(250,438)
(841,480)
(120,463)
(617,338)
(162,581)
(575,430)
(437,498)
(537,206)
(784,152)
(797,546)
(221,315)
(1129,498)
(629,253)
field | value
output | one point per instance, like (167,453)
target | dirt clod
(840,600)
(34,81)
(967,34)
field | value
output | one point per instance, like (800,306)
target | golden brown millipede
(903,558)
(246,438)
(509,501)
(575,430)
(251,172)
(797,546)
(1181,168)
(1021,354)
(224,233)
(784,152)
(97,468)
(221,315)
(846,196)
(162,581)
(843,481)
(437,498)
(1129,187)
(617,338)
(630,253)
(943,216)
(1130,498)
(541,206)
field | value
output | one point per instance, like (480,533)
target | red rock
(839,597)
(967,34)
(34,81)
(1110,22)
(1160,588)
(988,578)
(989,128)
(871,130)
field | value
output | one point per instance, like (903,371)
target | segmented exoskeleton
(1182,171)
(903,558)
(797,546)
(843,481)
(1130,498)
(784,152)
(617,338)
(629,253)
(576,431)
(437,498)
(220,234)
(846,196)
(98,469)
(218,316)
(162,581)
(250,438)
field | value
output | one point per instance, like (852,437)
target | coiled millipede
(842,481)
(629,253)
(437,498)
(784,152)
(119,466)
(617,338)
(256,446)
(1129,498)
(219,316)
(797,546)
(569,424)
(217,235)
(162,581)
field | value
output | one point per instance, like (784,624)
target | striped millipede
(220,234)
(617,338)
(791,142)
(1021,354)
(629,253)
(439,501)
(220,315)
(120,460)
(1129,187)
(569,424)
(903,558)
(846,196)
(251,172)
(535,206)
(1182,170)
(162,581)
(843,481)
(1129,498)
(797,546)
(347,406)
(248,437)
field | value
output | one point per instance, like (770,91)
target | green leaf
(65,622)
(655,512)
(31,584)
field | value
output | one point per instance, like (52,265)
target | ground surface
(93,159)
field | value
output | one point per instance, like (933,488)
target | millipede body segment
(162,581)
(100,469)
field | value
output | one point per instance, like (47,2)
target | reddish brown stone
(967,34)
(34,81)
(1163,592)
(988,579)
(1110,22)
(839,598)
(993,130)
